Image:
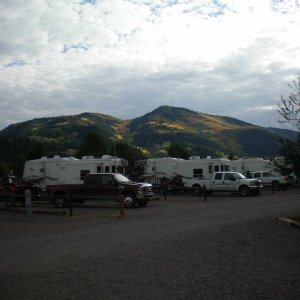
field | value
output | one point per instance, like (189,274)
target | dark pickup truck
(102,186)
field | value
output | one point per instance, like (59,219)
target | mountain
(63,133)
(285,133)
(204,134)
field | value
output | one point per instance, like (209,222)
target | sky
(127,57)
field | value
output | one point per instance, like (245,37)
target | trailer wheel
(60,200)
(129,200)
(244,191)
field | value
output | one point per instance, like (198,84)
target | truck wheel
(244,191)
(129,200)
(60,200)
(197,190)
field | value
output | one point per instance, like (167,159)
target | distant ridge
(204,134)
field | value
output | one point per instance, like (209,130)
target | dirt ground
(228,247)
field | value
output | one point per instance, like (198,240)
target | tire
(244,191)
(275,185)
(60,200)
(129,200)
(197,190)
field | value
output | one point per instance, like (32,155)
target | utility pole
(115,155)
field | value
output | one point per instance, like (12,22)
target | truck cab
(226,182)
(103,186)
(268,179)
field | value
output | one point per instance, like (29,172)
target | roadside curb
(289,222)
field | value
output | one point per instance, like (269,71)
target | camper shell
(69,170)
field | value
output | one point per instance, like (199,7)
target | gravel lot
(184,248)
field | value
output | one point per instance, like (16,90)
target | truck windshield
(238,175)
(121,178)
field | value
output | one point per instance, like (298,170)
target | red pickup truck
(102,186)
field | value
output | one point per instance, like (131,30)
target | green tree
(289,110)
(290,161)
(132,154)
(93,145)
(37,150)
(178,150)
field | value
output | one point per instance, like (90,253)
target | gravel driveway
(184,248)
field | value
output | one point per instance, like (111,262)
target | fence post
(28,201)
(70,200)
(122,206)
(165,191)
(204,193)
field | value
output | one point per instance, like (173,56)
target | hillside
(204,134)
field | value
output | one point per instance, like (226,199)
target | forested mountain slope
(204,134)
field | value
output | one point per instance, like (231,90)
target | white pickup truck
(267,179)
(225,182)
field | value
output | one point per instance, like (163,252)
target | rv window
(107,169)
(217,168)
(83,173)
(113,169)
(99,169)
(197,173)
(209,169)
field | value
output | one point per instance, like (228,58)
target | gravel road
(184,248)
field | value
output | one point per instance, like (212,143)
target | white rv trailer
(69,170)
(194,167)
(245,165)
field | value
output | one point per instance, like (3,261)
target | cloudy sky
(127,57)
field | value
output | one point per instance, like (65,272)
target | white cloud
(126,58)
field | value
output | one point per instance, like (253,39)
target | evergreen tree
(93,145)
(179,151)
(291,157)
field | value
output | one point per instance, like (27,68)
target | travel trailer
(194,167)
(245,165)
(70,170)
